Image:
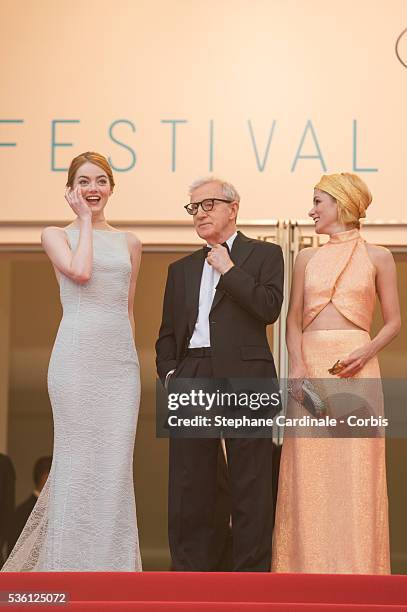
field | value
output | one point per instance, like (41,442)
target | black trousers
(202,499)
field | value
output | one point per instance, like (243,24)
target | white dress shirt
(209,280)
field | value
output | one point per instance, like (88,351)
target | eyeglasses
(206,205)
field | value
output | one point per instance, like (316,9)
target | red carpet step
(204,592)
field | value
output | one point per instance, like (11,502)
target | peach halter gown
(332,508)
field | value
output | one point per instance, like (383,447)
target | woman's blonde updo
(351,194)
(93,158)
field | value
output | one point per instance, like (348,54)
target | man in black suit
(7,501)
(216,309)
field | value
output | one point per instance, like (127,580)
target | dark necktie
(207,249)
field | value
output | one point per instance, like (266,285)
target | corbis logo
(401,48)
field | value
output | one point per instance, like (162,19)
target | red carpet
(177,591)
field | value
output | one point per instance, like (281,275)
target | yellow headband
(350,192)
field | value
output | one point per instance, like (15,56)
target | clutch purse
(312,401)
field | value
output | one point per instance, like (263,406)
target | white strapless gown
(85,516)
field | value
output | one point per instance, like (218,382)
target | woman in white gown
(85,516)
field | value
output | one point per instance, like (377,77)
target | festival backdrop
(268,94)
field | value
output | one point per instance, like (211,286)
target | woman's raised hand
(77,202)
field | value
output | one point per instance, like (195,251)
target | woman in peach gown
(332,510)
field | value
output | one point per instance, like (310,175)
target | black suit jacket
(248,297)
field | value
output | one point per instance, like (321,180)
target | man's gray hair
(228,189)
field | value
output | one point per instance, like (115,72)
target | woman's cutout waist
(330,318)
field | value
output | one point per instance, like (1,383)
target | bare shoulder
(133,242)
(305,255)
(380,256)
(51,232)
(52,229)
